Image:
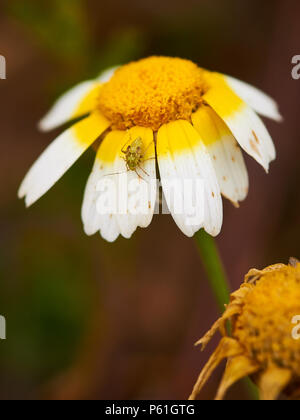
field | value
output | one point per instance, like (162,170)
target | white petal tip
(43,126)
(266,167)
(109,239)
(47,124)
(89,232)
(280,118)
(236,204)
(21,194)
(127,236)
(276,116)
(214,233)
(29,201)
(188,234)
(260,102)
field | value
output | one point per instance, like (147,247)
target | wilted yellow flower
(263,343)
(190,121)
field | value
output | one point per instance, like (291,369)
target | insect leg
(142,169)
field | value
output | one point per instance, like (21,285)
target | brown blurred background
(90,320)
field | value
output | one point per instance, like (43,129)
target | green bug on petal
(134,156)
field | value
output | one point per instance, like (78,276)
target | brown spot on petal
(254,147)
(213,194)
(255,136)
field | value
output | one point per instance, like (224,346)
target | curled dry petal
(227,348)
(236,369)
(272,382)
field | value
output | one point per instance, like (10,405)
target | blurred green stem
(219,283)
(214,268)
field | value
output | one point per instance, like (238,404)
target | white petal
(60,156)
(90,216)
(253,137)
(77,102)
(184,161)
(231,169)
(255,98)
(93,221)
(71,105)
(110,230)
(225,153)
(244,123)
(121,187)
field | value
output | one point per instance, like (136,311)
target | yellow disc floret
(264,326)
(152,92)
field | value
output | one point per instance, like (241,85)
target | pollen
(152,92)
(264,326)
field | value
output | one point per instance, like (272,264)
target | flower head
(191,122)
(261,343)
(153,92)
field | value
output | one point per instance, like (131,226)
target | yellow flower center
(152,92)
(265,324)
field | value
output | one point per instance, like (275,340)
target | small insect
(134,156)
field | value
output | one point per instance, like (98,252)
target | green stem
(218,280)
(214,268)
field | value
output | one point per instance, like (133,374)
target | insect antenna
(116,173)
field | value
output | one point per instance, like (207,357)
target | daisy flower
(262,343)
(163,115)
